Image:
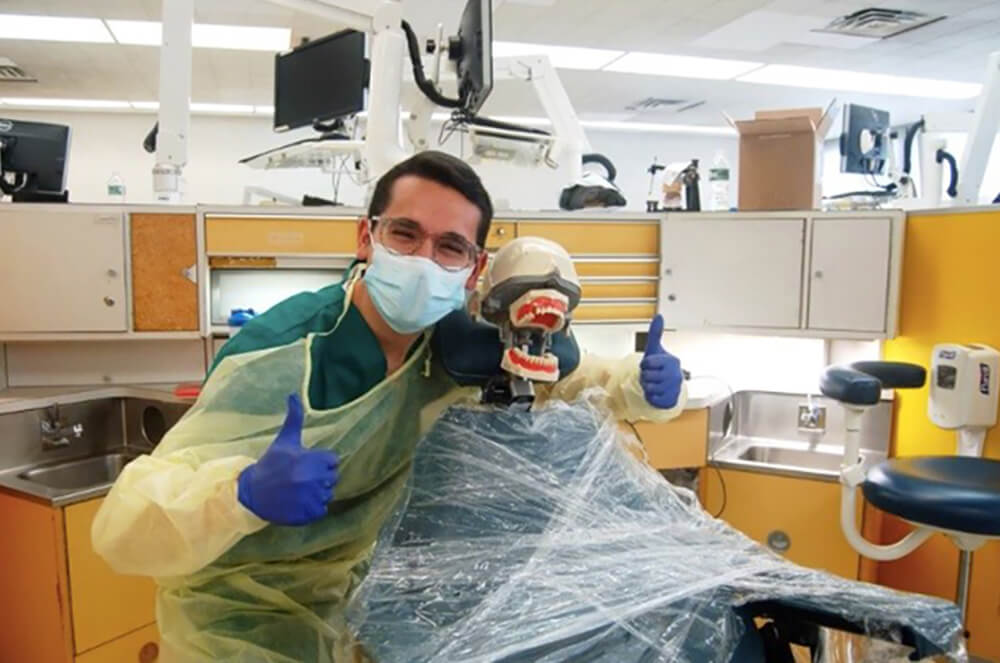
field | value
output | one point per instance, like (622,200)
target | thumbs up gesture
(660,372)
(289,485)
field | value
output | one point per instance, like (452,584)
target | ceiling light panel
(683,66)
(221,108)
(49,102)
(563,57)
(54,28)
(856,81)
(205,35)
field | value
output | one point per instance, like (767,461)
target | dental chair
(958,496)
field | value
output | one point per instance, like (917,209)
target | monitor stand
(39,197)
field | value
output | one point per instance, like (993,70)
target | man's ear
(364,251)
(481,263)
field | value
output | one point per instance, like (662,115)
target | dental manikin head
(530,290)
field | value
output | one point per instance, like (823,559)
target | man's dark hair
(446,170)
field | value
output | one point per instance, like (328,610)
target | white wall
(107,142)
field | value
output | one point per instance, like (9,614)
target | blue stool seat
(957,493)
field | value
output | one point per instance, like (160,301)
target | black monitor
(33,160)
(321,80)
(864,143)
(475,56)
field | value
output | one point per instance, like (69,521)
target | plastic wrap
(538,536)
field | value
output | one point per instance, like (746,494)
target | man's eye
(404,234)
(452,248)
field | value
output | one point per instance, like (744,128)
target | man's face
(437,208)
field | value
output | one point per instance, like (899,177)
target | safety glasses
(405,237)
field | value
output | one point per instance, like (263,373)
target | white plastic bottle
(116,188)
(718,177)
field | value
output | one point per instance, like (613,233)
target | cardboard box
(781,155)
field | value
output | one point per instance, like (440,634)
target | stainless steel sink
(81,473)
(763,432)
(797,458)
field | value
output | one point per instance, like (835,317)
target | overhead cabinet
(797,274)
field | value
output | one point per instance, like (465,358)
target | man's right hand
(289,485)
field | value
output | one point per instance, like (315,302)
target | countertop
(18,399)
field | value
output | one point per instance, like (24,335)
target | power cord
(425,85)
(727,421)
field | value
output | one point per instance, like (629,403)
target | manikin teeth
(531,367)
(540,309)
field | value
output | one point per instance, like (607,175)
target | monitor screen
(37,151)
(475,65)
(864,143)
(323,79)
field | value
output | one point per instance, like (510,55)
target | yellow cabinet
(798,517)
(141,646)
(60,600)
(597,237)
(104,603)
(682,442)
(164,259)
(273,235)
(501,233)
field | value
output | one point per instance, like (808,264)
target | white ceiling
(953,49)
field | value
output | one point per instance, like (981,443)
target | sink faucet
(55,433)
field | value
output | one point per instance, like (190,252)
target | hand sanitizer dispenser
(964,392)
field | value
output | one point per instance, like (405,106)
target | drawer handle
(501,232)
(149,652)
(779,541)
(671,298)
(108,301)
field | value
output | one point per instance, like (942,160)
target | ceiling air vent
(10,72)
(654,103)
(877,23)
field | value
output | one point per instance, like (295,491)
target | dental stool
(958,496)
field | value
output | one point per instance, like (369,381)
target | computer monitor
(475,56)
(864,143)
(33,160)
(320,80)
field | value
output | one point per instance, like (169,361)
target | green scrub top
(346,364)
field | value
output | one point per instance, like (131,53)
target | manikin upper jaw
(538,310)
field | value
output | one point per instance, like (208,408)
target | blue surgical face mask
(412,292)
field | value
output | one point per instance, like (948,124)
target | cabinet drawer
(627,290)
(501,233)
(164,260)
(617,268)
(225,235)
(141,646)
(806,513)
(597,237)
(615,312)
(105,604)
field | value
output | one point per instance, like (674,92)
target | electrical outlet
(812,418)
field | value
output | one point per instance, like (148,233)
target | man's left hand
(660,372)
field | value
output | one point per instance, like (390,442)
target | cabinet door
(798,517)
(164,259)
(105,605)
(62,271)
(849,274)
(731,273)
(142,646)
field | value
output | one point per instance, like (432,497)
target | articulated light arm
(985,123)
(174,115)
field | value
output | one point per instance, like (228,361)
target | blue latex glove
(660,372)
(289,485)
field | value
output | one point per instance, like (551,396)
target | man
(257,517)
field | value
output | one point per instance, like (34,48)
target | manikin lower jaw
(543,311)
